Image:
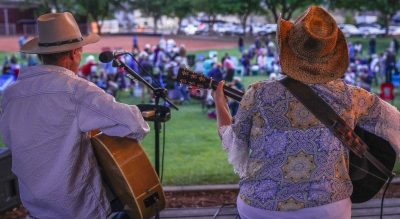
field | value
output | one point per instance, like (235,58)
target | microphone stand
(162,113)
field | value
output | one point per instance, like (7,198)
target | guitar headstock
(188,77)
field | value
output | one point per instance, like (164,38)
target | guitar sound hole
(151,200)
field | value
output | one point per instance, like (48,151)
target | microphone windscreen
(106,56)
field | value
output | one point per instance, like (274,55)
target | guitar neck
(189,77)
(228,91)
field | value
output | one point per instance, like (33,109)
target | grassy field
(193,154)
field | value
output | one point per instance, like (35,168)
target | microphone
(108,56)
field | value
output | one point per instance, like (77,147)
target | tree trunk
(386,23)
(210,25)
(179,25)
(155,27)
(244,21)
(98,25)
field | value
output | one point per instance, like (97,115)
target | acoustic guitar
(367,180)
(127,170)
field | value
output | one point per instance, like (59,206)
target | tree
(98,10)
(153,8)
(244,8)
(46,6)
(180,9)
(212,8)
(287,7)
(386,8)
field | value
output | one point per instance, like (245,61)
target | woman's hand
(219,96)
(221,106)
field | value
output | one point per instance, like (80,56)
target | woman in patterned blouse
(290,165)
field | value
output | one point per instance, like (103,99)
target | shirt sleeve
(378,117)
(236,137)
(98,110)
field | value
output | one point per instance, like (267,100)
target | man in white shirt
(46,117)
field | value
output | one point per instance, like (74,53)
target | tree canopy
(98,10)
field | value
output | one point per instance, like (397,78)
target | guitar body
(128,171)
(367,185)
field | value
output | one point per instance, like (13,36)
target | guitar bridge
(151,200)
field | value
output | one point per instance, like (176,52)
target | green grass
(193,152)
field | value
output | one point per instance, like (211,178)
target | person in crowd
(257,43)
(199,66)
(183,53)
(390,64)
(262,60)
(291,165)
(238,85)
(15,66)
(365,78)
(273,76)
(358,47)
(271,49)
(89,67)
(21,41)
(241,44)
(32,60)
(229,69)
(216,72)
(352,52)
(374,68)
(372,46)
(135,43)
(208,64)
(394,45)
(52,156)
(350,76)
(160,58)
(6,68)
(245,61)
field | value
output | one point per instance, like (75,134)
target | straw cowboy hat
(312,49)
(58,32)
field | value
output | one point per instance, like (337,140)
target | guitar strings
(232,94)
(368,172)
(214,85)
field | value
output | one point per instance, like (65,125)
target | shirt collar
(32,71)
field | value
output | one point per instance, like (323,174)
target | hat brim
(319,71)
(32,46)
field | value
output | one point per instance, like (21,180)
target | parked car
(271,28)
(371,29)
(228,29)
(394,30)
(189,29)
(265,29)
(349,30)
(202,28)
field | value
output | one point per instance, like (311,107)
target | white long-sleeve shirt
(45,119)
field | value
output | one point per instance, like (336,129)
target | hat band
(61,42)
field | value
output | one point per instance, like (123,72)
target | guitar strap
(322,111)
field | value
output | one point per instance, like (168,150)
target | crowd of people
(159,64)
(369,68)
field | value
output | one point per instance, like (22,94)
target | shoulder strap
(320,109)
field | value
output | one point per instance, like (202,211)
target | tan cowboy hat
(58,32)
(312,49)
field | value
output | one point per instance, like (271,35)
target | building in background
(17,17)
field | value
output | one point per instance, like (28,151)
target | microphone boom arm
(132,74)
